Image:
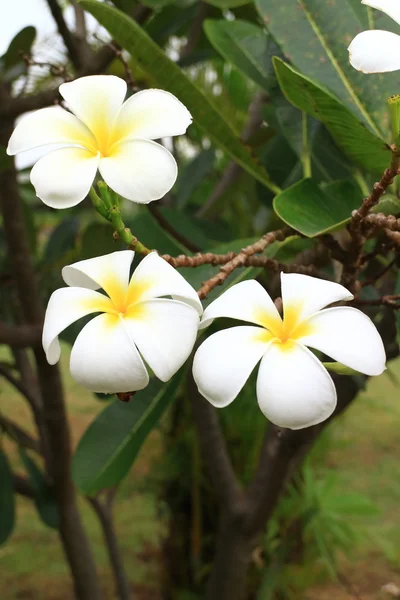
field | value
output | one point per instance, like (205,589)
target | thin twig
(166,225)
(240,259)
(68,38)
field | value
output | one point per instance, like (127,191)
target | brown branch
(233,170)
(23,486)
(27,393)
(382,221)
(103,510)
(214,449)
(20,336)
(19,435)
(354,256)
(388,300)
(71,43)
(75,542)
(381,273)
(240,259)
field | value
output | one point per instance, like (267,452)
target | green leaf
(313,211)
(61,240)
(98,239)
(336,367)
(243,44)
(193,174)
(20,44)
(145,227)
(44,499)
(363,147)
(7,504)
(166,74)
(111,443)
(186,225)
(315,35)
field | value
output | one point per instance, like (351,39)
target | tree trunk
(74,540)
(232,560)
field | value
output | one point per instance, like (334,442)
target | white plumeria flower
(377,51)
(293,387)
(135,322)
(103,133)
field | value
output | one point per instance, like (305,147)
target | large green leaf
(357,142)
(44,493)
(224,4)
(11,63)
(7,507)
(315,35)
(313,211)
(243,44)
(166,74)
(111,443)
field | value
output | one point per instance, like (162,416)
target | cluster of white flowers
(153,317)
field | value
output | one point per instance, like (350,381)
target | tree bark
(74,540)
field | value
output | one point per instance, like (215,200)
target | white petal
(303,295)
(104,358)
(64,177)
(224,362)
(294,389)
(140,170)
(165,332)
(247,301)
(151,114)
(96,100)
(390,7)
(375,51)
(66,306)
(109,272)
(154,277)
(52,125)
(348,336)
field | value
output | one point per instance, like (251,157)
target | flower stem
(124,233)
(394,108)
(108,207)
(98,203)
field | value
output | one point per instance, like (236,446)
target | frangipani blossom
(103,133)
(293,387)
(135,321)
(377,51)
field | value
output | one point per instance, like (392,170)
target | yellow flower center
(284,331)
(121,301)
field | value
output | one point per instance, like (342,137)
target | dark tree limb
(20,336)
(71,43)
(75,542)
(103,505)
(23,486)
(19,435)
(233,170)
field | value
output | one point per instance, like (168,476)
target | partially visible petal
(96,100)
(165,332)
(66,306)
(303,295)
(247,301)
(390,7)
(154,277)
(151,114)
(375,51)
(140,170)
(348,336)
(224,362)
(104,358)
(109,272)
(52,125)
(64,177)
(294,389)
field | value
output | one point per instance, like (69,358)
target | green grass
(364,448)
